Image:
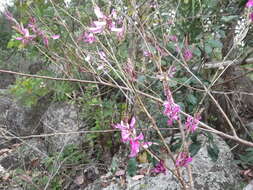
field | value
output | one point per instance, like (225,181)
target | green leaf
(194,148)
(132,167)
(13,43)
(194,136)
(213,152)
(214,43)
(191,99)
(209,136)
(208,49)
(197,52)
(228,18)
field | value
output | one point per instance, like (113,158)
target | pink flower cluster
(249,4)
(171,109)
(129,135)
(191,123)
(104,22)
(26,37)
(183,159)
(33,26)
(159,168)
(251,16)
(187,54)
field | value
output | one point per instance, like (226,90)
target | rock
(12,116)
(249,186)
(22,156)
(207,175)
(6,79)
(62,118)
(19,120)
(250,127)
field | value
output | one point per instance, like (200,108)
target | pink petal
(251,16)
(147,53)
(249,3)
(140,137)
(132,123)
(147,144)
(19,38)
(135,148)
(45,41)
(98,12)
(96,30)
(125,136)
(25,32)
(55,37)
(99,23)
(114,14)
(114,29)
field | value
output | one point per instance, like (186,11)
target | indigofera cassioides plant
(145,56)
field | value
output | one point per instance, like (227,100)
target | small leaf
(209,136)
(191,99)
(194,136)
(197,52)
(194,148)
(132,167)
(228,18)
(208,49)
(213,152)
(143,158)
(215,43)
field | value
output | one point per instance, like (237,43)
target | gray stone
(62,118)
(207,175)
(249,186)
(12,115)
(22,156)
(18,120)
(6,79)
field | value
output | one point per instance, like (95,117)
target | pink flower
(26,38)
(10,17)
(183,159)
(126,130)
(187,54)
(249,4)
(251,16)
(147,53)
(55,36)
(98,27)
(171,72)
(102,55)
(173,38)
(135,145)
(32,24)
(113,14)
(130,70)
(128,134)
(172,111)
(99,13)
(191,123)
(159,168)
(88,37)
(45,41)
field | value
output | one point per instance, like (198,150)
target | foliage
(29,90)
